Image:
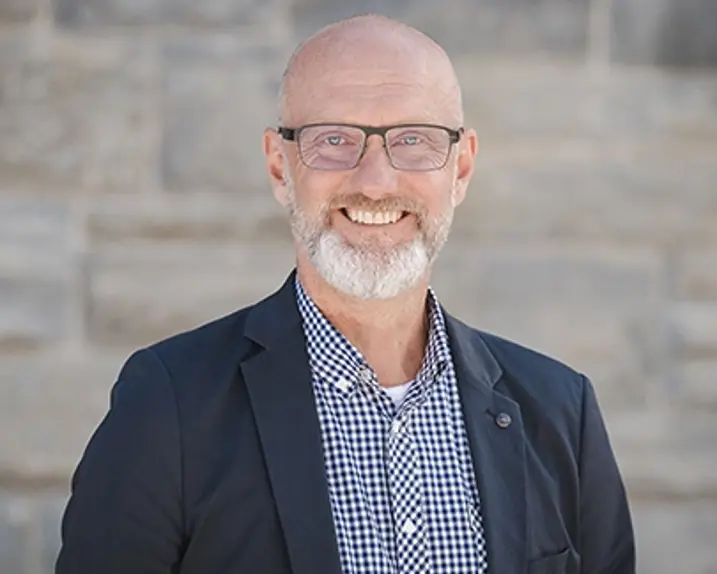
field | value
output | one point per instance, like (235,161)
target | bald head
(352,56)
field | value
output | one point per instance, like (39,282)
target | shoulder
(538,380)
(552,397)
(202,363)
(184,363)
(522,363)
(539,383)
(216,341)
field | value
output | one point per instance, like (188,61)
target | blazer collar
(273,319)
(279,385)
(497,442)
(473,356)
(277,317)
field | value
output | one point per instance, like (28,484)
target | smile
(373,217)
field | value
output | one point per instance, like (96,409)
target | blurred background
(134,204)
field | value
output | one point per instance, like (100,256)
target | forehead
(372,97)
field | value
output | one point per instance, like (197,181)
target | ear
(467,152)
(275,165)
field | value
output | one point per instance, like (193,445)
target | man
(347,423)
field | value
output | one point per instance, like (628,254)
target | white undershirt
(398,392)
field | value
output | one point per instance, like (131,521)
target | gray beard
(365,273)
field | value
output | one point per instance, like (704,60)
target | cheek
(314,191)
(458,194)
(435,192)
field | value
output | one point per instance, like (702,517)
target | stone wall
(133,204)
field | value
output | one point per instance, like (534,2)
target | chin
(363,275)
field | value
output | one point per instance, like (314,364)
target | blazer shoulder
(529,372)
(227,329)
(519,359)
(210,351)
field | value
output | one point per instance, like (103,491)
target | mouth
(373,218)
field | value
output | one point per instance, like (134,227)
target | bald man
(347,423)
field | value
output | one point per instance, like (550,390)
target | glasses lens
(330,147)
(418,148)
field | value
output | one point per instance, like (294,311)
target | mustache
(361,202)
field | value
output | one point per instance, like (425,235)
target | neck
(390,333)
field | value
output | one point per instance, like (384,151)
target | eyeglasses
(410,147)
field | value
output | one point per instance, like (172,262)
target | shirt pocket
(551,564)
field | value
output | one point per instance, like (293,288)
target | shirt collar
(334,358)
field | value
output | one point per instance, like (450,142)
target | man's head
(370,219)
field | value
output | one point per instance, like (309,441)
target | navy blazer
(209,460)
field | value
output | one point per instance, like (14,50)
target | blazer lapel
(278,380)
(495,432)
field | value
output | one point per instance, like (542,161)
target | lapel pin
(503,420)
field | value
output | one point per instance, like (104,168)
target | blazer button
(503,420)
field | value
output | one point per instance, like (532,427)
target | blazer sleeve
(124,511)
(606,532)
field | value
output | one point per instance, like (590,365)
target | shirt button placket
(406,500)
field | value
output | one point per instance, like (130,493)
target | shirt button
(365,374)
(343,384)
(409,527)
(396,427)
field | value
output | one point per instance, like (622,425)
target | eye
(334,140)
(409,140)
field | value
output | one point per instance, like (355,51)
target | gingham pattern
(401,480)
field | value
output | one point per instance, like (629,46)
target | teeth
(372,217)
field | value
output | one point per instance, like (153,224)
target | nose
(374,176)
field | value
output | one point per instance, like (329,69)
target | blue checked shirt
(401,482)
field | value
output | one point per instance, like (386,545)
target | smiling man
(347,423)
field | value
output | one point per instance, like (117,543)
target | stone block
(51,509)
(181,218)
(697,275)
(698,384)
(15,524)
(32,311)
(34,231)
(136,298)
(657,108)
(636,27)
(539,103)
(676,536)
(216,13)
(676,33)
(552,272)
(49,406)
(217,99)
(36,270)
(528,102)
(18,10)
(649,201)
(479,28)
(665,452)
(82,113)
(695,329)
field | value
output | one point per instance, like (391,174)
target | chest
(400,477)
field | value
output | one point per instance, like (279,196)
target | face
(373,231)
